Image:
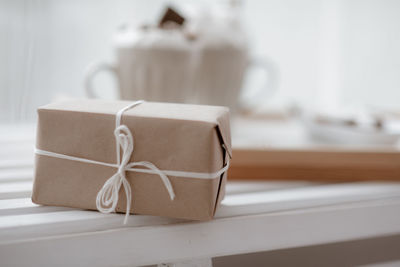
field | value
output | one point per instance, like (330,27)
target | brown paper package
(176,137)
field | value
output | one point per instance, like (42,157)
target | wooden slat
(16,150)
(16,203)
(248,186)
(20,206)
(15,190)
(16,175)
(45,221)
(19,163)
(305,197)
(27,226)
(341,192)
(170,243)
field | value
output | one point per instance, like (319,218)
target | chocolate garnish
(170,15)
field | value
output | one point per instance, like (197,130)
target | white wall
(371,52)
(328,52)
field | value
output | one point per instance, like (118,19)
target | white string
(107,197)
(199,175)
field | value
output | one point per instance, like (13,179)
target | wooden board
(284,151)
(315,165)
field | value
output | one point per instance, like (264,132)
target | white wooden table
(254,216)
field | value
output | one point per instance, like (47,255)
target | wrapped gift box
(178,138)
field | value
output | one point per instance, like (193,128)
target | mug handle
(91,71)
(271,73)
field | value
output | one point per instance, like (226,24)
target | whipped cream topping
(152,37)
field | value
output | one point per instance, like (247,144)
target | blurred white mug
(154,65)
(167,66)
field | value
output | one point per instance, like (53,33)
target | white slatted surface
(254,216)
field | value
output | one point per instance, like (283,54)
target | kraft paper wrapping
(171,136)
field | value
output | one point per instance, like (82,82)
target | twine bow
(107,197)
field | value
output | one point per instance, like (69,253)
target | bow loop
(124,140)
(107,198)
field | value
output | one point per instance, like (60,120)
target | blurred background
(328,52)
